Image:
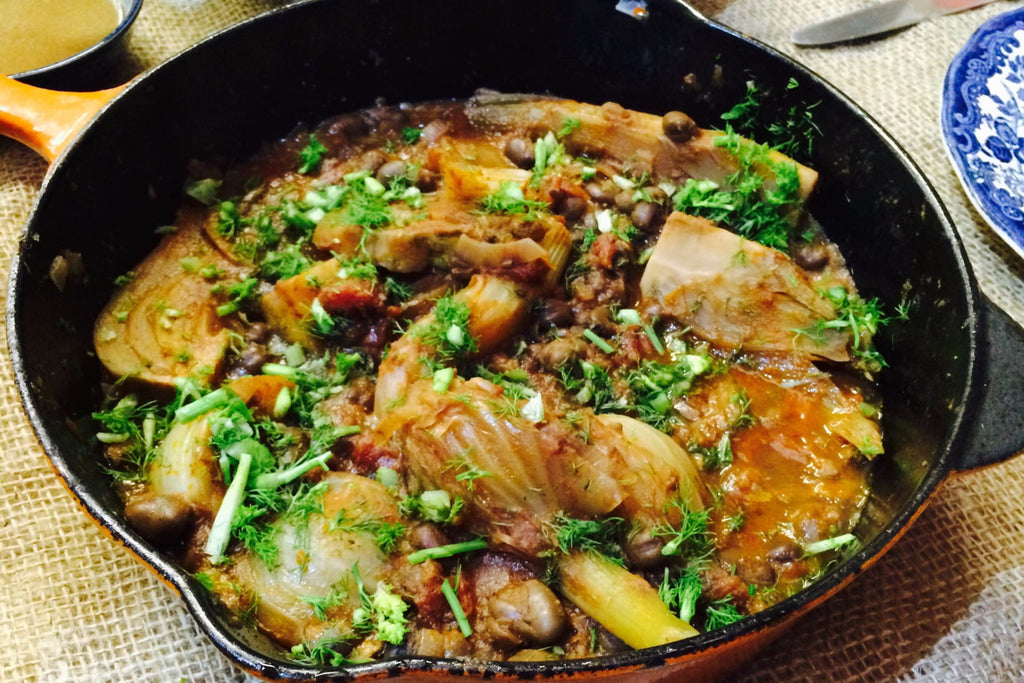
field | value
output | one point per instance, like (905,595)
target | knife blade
(885,16)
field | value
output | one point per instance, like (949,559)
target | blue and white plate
(983,122)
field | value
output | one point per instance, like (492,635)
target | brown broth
(35,33)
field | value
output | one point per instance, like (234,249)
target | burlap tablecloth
(944,605)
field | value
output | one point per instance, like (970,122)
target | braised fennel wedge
(515,378)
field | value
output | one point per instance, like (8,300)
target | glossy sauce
(35,33)
(792,481)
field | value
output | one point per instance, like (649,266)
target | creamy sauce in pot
(35,33)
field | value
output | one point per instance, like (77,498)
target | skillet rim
(204,610)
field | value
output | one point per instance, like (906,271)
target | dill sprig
(448,333)
(591,535)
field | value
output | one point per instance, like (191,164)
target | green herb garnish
(509,200)
(311,155)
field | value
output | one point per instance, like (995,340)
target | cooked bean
(555,353)
(252,359)
(391,170)
(372,160)
(520,152)
(386,119)
(258,333)
(677,126)
(756,571)
(426,180)
(784,550)
(556,312)
(570,207)
(810,255)
(602,193)
(643,550)
(530,610)
(161,519)
(348,125)
(646,216)
(429,642)
(624,201)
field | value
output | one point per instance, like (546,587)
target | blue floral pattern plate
(983,122)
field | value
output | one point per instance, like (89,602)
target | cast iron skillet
(951,394)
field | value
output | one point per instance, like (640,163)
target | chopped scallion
(829,544)
(202,405)
(356,175)
(443,551)
(443,379)
(623,182)
(387,477)
(148,429)
(534,409)
(220,531)
(294,355)
(278,370)
(374,187)
(107,437)
(598,342)
(283,403)
(271,480)
(453,602)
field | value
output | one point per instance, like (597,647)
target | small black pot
(100,65)
(952,398)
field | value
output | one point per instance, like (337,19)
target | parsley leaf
(311,155)
(411,135)
(715,457)
(786,125)
(229,221)
(568,126)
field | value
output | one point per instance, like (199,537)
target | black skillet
(951,394)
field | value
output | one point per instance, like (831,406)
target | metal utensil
(885,16)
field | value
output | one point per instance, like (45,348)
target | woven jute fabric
(943,605)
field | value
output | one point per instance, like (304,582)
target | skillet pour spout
(951,391)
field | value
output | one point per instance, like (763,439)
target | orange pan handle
(47,120)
